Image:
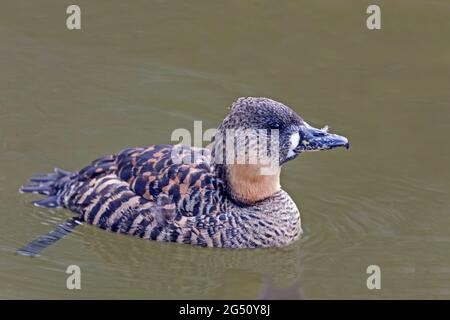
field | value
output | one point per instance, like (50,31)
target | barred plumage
(152,193)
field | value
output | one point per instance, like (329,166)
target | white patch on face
(294,140)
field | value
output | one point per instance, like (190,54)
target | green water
(138,70)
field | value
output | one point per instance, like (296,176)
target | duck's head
(285,130)
(295,135)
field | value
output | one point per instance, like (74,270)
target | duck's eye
(274,125)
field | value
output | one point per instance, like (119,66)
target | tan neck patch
(248,185)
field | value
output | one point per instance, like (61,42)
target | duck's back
(146,192)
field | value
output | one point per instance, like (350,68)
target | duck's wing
(183,176)
(154,192)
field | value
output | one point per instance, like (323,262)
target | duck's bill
(313,139)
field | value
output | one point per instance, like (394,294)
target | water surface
(138,70)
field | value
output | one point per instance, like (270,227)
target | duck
(185,194)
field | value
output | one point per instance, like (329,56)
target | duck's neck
(247,185)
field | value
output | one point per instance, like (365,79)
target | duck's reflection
(167,270)
(270,291)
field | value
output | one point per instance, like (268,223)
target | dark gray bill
(313,139)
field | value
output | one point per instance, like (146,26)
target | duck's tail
(49,184)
